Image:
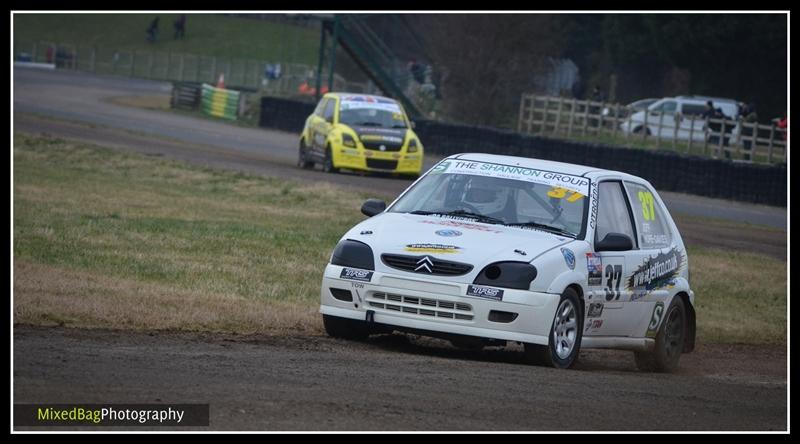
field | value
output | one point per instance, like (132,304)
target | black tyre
(327,165)
(343,328)
(639,129)
(566,333)
(669,341)
(302,157)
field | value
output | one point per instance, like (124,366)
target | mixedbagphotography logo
(70,415)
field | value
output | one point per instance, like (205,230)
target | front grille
(376,145)
(430,307)
(411,263)
(382,164)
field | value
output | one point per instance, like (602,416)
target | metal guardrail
(604,122)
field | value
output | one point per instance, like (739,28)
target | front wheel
(302,157)
(344,328)
(327,165)
(669,341)
(565,335)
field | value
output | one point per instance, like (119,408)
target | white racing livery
(487,249)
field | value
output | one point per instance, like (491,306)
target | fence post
(150,65)
(678,120)
(558,116)
(771,143)
(532,107)
(545,112)
(180,69)
(571,117)
(615,122)
(585,118)
(645,128)
(521,112)
(691,133)
(601,122)
(721,146)
(707,134)
(660,127)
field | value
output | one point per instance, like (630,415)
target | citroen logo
(424,264)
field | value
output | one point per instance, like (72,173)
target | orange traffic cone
(221,81)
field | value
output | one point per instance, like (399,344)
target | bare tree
(489,60)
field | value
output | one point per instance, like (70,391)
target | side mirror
(614,242)
(372,207)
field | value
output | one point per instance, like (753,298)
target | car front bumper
(412,302)
(378,161)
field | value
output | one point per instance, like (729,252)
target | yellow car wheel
(327,165)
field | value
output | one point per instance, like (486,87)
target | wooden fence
(614,123)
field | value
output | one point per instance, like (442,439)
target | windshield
(501,194)
(383,113)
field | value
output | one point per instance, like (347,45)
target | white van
(678,112)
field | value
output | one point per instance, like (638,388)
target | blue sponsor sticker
(569,257)
(485,292)
(449,233)
(354,274)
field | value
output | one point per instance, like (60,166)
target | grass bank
(109,239)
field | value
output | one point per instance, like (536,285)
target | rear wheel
(669,341)
(344,328)
(302,157)
(327,165)
(565,335)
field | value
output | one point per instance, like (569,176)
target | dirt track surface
(396,383)
(388,383)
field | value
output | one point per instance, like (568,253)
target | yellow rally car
(360,132)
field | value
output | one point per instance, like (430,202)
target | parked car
(682,117)
(625,111)
(360,132)
(486,249)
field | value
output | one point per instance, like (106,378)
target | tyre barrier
(186,95)
(220,102)
(665,170)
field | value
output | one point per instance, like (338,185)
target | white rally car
(486,249)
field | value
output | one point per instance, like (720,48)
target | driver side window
(612,212)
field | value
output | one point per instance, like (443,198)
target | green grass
(206,34)
(207,233)
(740,297)
(110,239)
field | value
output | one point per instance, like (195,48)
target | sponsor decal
(355,274)
(440,167)
(655,320)
(593,215)
(576,184)
(485,292)
(448,233)
(432,248)
(457,224)
(593,325)
(594,267)
(569,257)
(595,310)
(656,272)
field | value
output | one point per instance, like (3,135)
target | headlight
(517,275)
(412,146)
(350,253)
(348,140)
